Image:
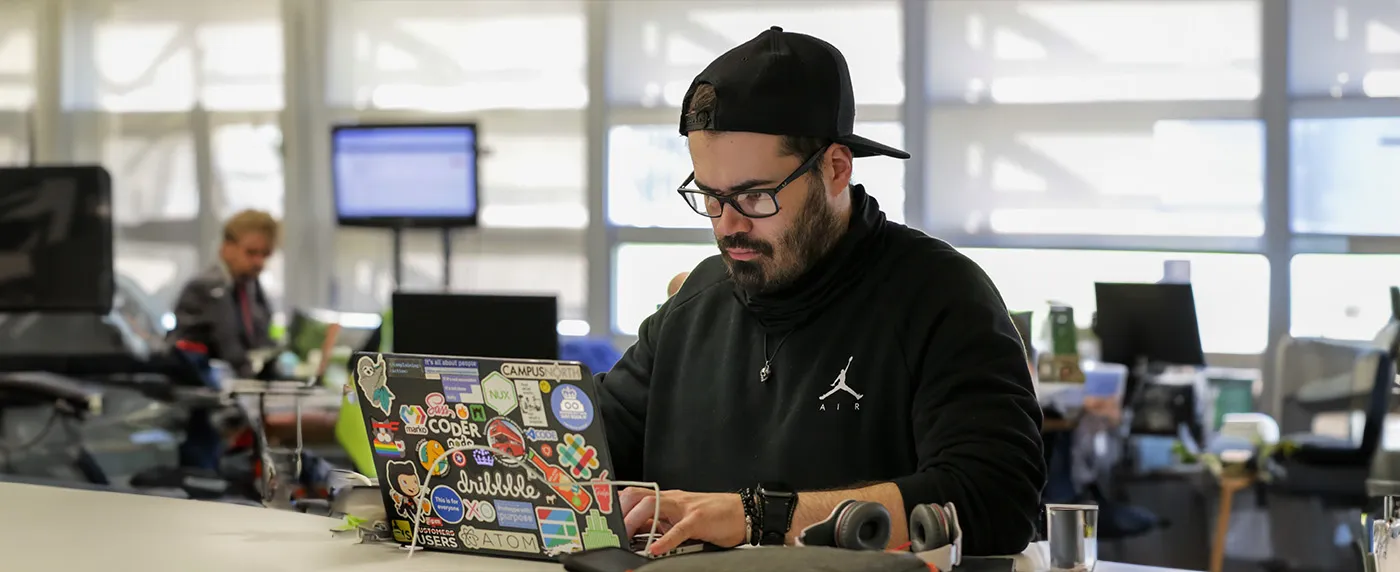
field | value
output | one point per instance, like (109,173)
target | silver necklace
(767,371)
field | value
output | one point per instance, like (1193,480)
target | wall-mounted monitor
(396,175)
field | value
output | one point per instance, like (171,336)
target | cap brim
(862,147)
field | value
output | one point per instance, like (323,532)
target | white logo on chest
(840,385)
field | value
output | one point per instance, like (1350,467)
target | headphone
(864,525)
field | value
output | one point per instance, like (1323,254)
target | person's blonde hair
(252,221)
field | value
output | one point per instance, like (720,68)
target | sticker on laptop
(479,510)
(572,407)
(428,451)
(558,530)
(483,539)
(384,443)
(578,456)
(596,533)
(415,420)
(531,403)
(560,371)
(542,435)
(505,436)
(462,388)
(489,483)
(500,393)
(603,494)
(373,377)
(437,405)
(515,514)
(404,487)
(447,504)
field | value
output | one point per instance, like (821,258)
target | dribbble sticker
(373,378)
(500,393)
(447,504)
(572,407)
(596,533)
(531,403)
(428,450)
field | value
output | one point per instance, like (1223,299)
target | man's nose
(731,222)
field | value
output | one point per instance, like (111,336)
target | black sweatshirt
(937,395)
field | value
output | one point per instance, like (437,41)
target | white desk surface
(51,528)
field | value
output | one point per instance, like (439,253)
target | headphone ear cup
(863,526)
(928,528)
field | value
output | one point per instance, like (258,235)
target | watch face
(774,490)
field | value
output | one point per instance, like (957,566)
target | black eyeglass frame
(772,193)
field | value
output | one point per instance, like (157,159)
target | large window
(1345,173)
(17,63)
(1033,51)
(641,273)
(1344,296)
(1231,290)
(516,69)
(159,91)
(656,48)
(1344,48)
(647,163)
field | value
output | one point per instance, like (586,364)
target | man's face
(764,254)
(247,255)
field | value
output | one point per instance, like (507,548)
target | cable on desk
(442,458)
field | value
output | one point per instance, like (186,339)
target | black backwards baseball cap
(783,83)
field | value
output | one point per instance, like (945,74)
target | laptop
(541,415)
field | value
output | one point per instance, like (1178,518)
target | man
(676,282)
(224,307)
(826,354)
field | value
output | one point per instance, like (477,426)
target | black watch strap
(776,503)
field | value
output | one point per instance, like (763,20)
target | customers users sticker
(571,407)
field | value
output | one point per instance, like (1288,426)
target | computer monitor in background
(56,240)
(1152,322)
(307,329)
(480,325)
(405,175)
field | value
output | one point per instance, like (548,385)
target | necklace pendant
(764,373)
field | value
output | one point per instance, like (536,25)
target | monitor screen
(477,325)
(56,240)
(405,175)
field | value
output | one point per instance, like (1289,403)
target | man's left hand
(716,518)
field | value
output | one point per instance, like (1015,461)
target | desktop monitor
(56,240)
(405,175)
(479,325)
(1155,322)
(308,327)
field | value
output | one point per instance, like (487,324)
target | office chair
(1321,480)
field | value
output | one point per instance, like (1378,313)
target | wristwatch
(776,504)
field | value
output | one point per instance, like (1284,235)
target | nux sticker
(415,420)
(404,487)
(572,407)
(484,539)
(428,450)
(596,533)
(500,393)
(372,375)
(437,405)
(384,443)
(531,403)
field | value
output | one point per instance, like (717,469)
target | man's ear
(836,167)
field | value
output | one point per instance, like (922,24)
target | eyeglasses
(752,203)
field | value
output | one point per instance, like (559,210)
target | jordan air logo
(840,383)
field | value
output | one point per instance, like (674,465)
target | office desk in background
(49,528)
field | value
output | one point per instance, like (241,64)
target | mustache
(745,242)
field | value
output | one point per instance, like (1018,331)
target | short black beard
(813,233)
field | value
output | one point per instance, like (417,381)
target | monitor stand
(446,258)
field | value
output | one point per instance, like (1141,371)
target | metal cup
(1073,535)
